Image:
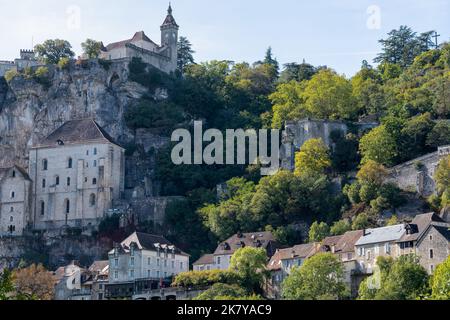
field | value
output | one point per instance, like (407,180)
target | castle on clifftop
(163,57)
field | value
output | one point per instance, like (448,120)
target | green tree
(361,222)
(404,279)
(51,51)
(442,178)
(6,285)
(379,145)
(340,227)
(403,45)
(185,54)
(313,158)
(440,135)
(329,96)
(320,278)
(318,231)
(250,264)
(270,60)
(440,282)
(91,48)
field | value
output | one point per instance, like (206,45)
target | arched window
(92,200)
(68,182)
(70,163)
(11,209)
(94,181)
(42,208)
(14,173)
(67,205)
(45,165)
(43,183)
(13,194)
(57,180)
(11,219)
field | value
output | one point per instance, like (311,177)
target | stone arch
(113,80)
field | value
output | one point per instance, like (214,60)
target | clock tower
(169,35)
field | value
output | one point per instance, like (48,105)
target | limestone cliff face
(30,110)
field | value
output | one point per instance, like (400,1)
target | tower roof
(170,20)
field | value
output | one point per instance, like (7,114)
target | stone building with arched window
(77,173)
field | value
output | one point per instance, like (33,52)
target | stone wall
(417,175)
(296,133)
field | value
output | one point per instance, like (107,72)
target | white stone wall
(367,255)
(14,204)
(145,264)
(97,173)
(432,241)
(222,262)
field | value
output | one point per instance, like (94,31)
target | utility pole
(436,36)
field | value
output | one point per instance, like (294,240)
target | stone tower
(169,35)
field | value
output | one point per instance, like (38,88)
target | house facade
(206,262)
(282,263)
(225,250)
(77,171)
(379,242)
(15,201)
(143,262)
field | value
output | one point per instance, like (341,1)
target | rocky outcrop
(31,109)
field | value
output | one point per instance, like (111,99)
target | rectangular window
(116,274)
(173,264)
(149,261)
(181,265)
(132,262)
(116,263)
(431,254)
(387,248)
(157,262)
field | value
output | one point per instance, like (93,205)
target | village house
(78,171)
(282,263)
(143,262)
(163,56)
(15,201)
(70,283)
(379,242)
(206,262)
(225,250)
(343,247)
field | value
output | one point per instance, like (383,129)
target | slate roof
(445,231)
(206,259)
(419,225)
(149,242)
(382,235)
(77,132)
(137,37)
(303,251)
(170,20)
(264,240)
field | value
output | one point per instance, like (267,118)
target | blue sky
(333,33)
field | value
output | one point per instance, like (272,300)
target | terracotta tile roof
(264,240)
(303,251)
(348,241)
(77,132)
(419,225)
(138,36)
(206,259)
